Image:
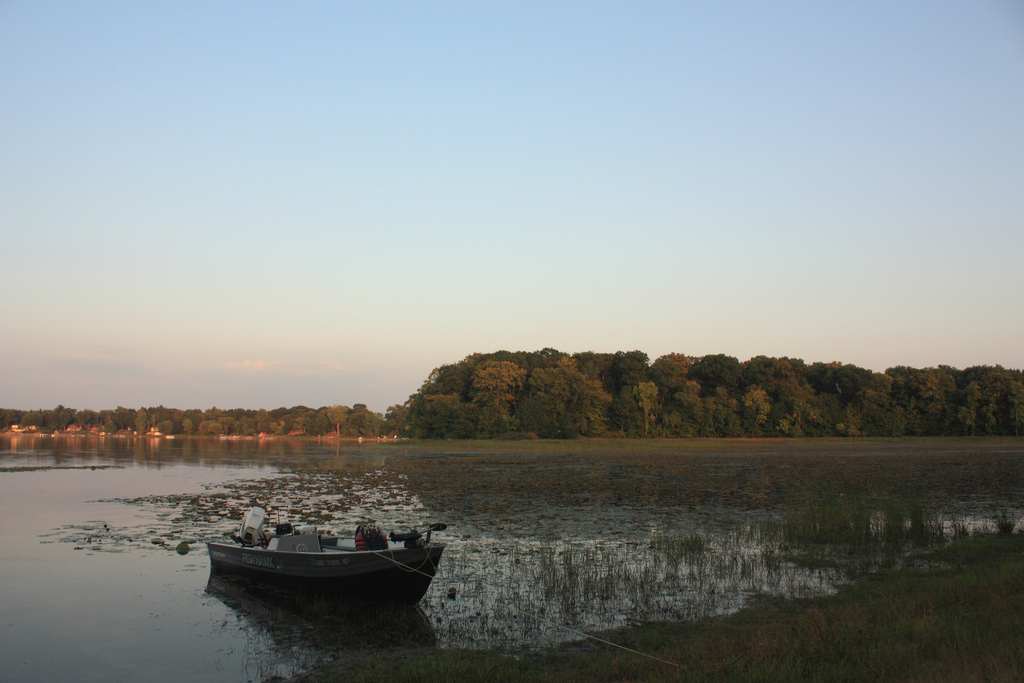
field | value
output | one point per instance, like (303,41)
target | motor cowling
(251,530)
(411,538)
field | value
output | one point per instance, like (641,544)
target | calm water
(102,605)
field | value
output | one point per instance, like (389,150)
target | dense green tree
(441,416)
(968,412)
(757,409)
(714,371)
(926,396)
(682,411)
(495,386)
(628,369)
(561,402)
(338,415)
(211,428)
(596,366)
(395,419)
(646,396)
(1015,397)
(318,423)
(671,373)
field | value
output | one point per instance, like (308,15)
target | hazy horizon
(267,206)
(327,390)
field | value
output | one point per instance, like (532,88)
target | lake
(546,540)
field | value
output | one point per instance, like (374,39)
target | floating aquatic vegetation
(45,468)
(334,501)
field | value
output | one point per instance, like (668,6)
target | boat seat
(333,543)
(296,543)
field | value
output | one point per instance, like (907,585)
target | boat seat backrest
(298,543)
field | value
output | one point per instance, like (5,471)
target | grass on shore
(962,619)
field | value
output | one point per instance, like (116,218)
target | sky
(263,203)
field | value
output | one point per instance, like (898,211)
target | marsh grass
(960,619)
(528,595)
(859,534)
(1005,524)
(543,593)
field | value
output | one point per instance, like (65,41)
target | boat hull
(400,575)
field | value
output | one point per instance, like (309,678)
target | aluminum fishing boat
(398,569)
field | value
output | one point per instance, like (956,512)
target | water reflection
(154,452)
(288,631)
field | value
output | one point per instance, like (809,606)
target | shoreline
(482,442)
(123,436)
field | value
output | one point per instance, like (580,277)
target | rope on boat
(621,647)
(417,570)
(407,567)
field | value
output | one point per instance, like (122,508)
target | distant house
(153,431)
(16,429)
(73,428)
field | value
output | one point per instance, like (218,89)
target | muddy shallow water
(93,589)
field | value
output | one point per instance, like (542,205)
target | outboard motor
(410,538)
(415,539)
(251,531)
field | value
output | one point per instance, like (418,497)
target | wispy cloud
(259,365)
(100,363)
(249,365)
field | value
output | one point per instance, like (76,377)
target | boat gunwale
(322,551)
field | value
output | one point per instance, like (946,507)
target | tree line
(552,394)
(349,421)
(549,393)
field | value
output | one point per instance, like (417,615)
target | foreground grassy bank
(960,619)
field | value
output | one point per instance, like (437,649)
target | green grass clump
(862,522)
(859,533)
(678,549)
(1005,524)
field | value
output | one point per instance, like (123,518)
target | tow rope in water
(410,568)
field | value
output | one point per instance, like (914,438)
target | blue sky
(258,204)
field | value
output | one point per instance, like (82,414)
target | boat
(396,569)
